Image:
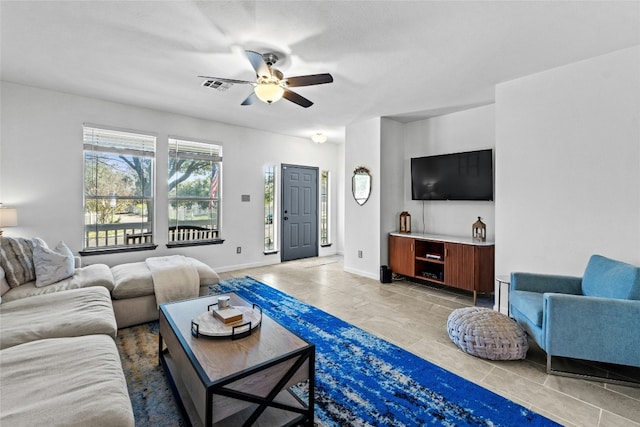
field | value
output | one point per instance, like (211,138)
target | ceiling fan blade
(258,64)
(242,82)
(311,79)
(297,99)
(250,99)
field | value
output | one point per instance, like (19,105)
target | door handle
(286,218)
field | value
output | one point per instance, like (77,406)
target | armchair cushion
(609,278)
(529,304)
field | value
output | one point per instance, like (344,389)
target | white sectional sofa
(59,364)
(131,285)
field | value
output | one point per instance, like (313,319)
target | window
(324,209)
(118,190)
(269,209)
(195,180)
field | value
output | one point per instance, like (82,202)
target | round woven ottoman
(486,333)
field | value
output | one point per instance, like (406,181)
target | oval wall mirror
(361,185)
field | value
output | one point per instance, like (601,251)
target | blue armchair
(595,317)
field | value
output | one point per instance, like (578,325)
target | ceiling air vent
(217,84)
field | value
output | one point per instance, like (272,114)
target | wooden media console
(446,260)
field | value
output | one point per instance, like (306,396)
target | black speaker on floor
(385,274)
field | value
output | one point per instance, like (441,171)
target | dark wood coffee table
(247,381)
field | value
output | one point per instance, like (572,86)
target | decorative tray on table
(211,323)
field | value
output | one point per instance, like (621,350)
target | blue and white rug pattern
(362,380)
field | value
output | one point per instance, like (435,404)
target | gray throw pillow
(52,265)
(16,259)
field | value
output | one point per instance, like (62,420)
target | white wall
(391,199)
(467,130)
(568,166)
(41,172)
(340,195)
(362,223)
(392,145)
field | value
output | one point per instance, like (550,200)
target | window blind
(113,141)
(194,150)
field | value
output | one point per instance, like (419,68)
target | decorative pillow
(4,286)
(16,259)
(52,265)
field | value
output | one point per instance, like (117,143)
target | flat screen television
(457,176)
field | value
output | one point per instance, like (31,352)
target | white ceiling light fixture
(269,91)
(319,138)
(271,85)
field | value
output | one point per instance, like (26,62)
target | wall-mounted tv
(457,176)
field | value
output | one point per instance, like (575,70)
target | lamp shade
(8,217)
(269,92)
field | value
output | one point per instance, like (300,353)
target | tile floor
(414,317)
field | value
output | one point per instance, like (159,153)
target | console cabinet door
(459,266)
(401,255)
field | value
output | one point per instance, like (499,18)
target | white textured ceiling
(388,58)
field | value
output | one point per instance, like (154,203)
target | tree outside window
(118,188)
(195,173)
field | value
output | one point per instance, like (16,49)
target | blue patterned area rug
(362,380)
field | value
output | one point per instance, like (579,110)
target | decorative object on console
(8,217)
(479,231)
(361,185)
(405,222)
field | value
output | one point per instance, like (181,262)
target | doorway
(299,212)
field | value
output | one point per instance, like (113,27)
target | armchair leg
(631,382)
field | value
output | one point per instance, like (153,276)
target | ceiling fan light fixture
(269,92)
(319,138)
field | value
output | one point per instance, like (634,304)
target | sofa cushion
(85,277)
(52,265)
(72,313)
(608,278)
(208,276)
(134,279)
(131,280)
(76,381)
(529,304)
(16,259)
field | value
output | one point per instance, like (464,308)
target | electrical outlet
(239,250)
(359,254)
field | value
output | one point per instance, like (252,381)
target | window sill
(270,252)
(118,249)
(186,243)
(326,245)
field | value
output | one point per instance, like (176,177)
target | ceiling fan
(271,85)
